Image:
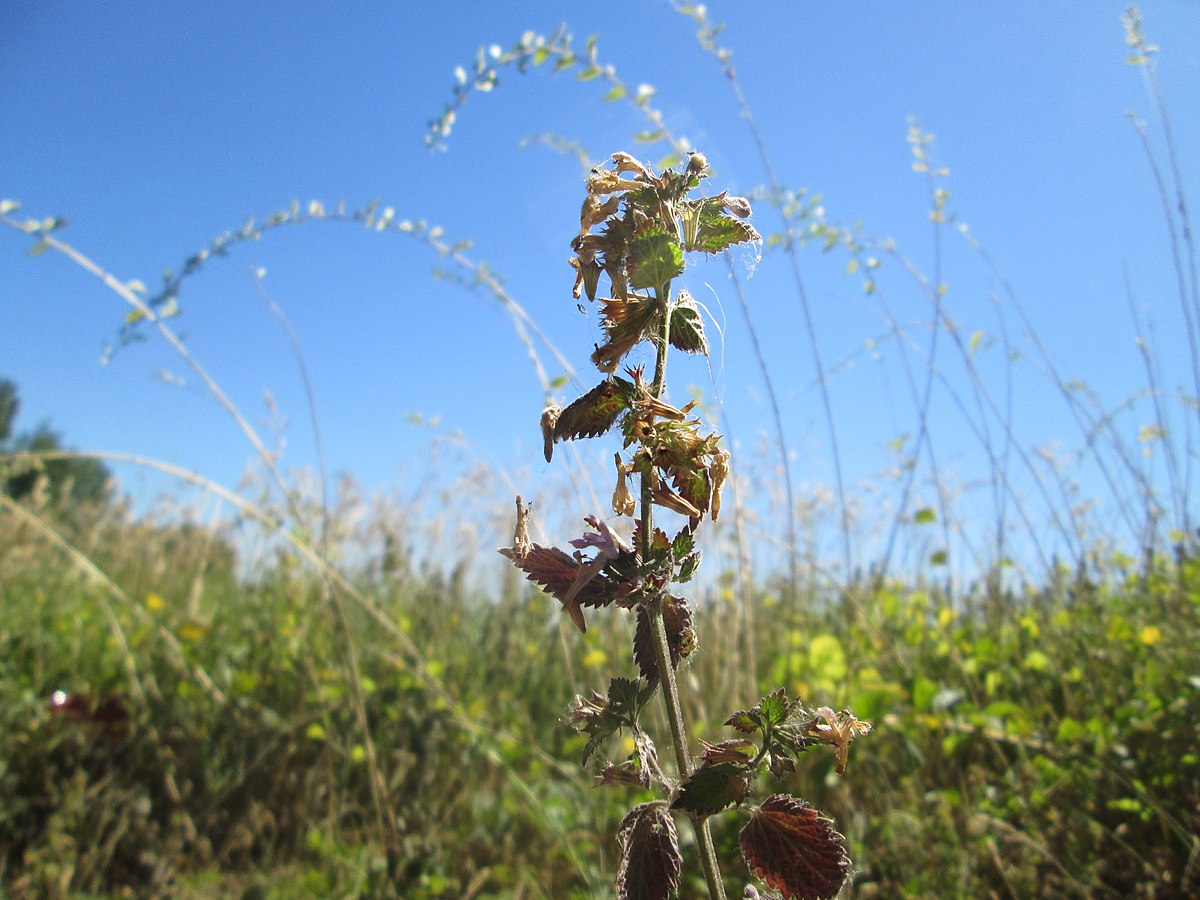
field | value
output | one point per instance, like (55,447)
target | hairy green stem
(658,628)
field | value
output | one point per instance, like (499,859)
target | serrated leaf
(626,321)
(677,618)
(687,328)
(650,859)
(774,708)
(772,711)
(710,789)
(601,717)
(795,849)
(556,573)
(717,232)
(683,544)
(595,412)
(654,260)
(744,721)
(688,567)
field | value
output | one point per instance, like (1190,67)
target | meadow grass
(1036,743)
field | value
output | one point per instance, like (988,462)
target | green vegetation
(1043,743)
(289,700)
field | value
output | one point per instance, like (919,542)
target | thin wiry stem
(658,630)
(311,400)
(789,247)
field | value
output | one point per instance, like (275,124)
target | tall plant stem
(658,628)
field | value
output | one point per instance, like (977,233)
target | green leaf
(716,232)
(595,412)
(602,717)
(589,73)
(683,544)
(38,249)
(654,260)
(744,721)
(710,789)
(648,137)
(924,516)
(774,708)
(973,345)
(688,567)
(771,712)
(617,92)
(687,328)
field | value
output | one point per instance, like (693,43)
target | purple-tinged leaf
(709,789)
(795,849)
(739,751)
(677,617)
(557,572)
(650,858)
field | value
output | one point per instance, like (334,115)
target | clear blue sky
(153,127)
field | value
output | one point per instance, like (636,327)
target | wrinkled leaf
(601,717)
(794,849)
(687,328)
(595,412)
(650,858)
(626,322)
(654,260)
(717,232)
(677,617)
(556,573)
(709,789)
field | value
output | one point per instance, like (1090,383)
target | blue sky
(153,127)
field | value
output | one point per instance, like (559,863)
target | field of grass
(284,700)
(262,732)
